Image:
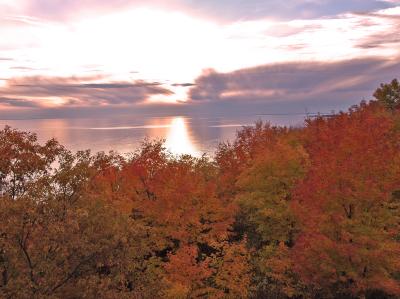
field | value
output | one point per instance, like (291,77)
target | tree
(189,227)
(260,170)
(389,95)
(349,218)
(59,240)
(23,161)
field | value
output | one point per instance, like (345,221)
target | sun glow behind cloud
(171,47)
(157,44)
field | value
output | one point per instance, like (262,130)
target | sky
(74,58)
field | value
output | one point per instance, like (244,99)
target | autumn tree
(189,227)
(259,171)
(56,238)
(23,161)
(348,207)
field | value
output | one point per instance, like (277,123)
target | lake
(182,134)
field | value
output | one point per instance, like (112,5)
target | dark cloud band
(79,91)
(295,82)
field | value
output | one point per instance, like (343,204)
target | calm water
(193,135)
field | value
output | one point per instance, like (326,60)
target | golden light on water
(178,139)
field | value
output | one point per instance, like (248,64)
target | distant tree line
(311,212)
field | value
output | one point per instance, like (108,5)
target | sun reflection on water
(178,139)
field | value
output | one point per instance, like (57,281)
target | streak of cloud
(15,102)
(76,91)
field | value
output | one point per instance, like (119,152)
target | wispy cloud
(22,68)
(380,40)
(389,37)
(183,84)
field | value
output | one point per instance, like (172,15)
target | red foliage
(347,240)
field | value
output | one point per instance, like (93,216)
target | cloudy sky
(71,57)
